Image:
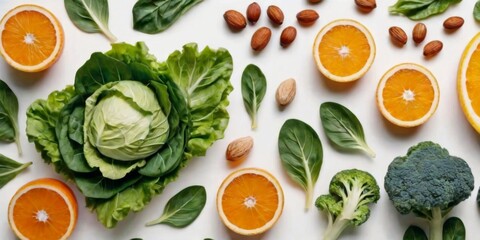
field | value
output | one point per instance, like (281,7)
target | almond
(288,36)
(260,38)
(314,1)
(253,12)
(398,35)
(453,23)
(286,92)
(366,5)
(419,32)
(307,17)
(275,14)
(235,20)
(432,48)
(239,149)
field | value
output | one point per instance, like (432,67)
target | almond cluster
(236,21)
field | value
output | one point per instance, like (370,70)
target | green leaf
(9,169)
(154,16)
(453,229)
(421,9)
(96,186)
(90,16)
(183,208)
(254,87)
(343,128)
(414,233)
(301,154)
(9,116)
(476,11)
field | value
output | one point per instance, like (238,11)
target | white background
(204,24)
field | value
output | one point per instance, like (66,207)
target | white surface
(204,24)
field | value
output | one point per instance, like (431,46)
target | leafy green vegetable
(183,208)
(414,233)
(347,204)
(476,11)
(421,9)
(9,116)
(90,16)
(154,16)
(453,229)
(343,128)
(9,169)
(130,123)
(301,155)
(254,87)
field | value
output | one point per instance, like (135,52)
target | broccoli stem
(334,230)
(436,224)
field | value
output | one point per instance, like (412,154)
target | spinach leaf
(476,11)
(90,16)
(183,208)
(414,233)
(9,116)
(154,16)
(421,9)
(103,188)
(9,169)
(453,229)
(301,154)
(343,128)
(254,87)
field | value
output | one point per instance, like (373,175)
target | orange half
(31,38)
(250,201)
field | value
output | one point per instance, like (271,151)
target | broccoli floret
(346,205)
(428,182)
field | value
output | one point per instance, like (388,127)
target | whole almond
(286,92)
(239,149)
(432,48)
(314,1)
(307,17)
(275,14)
(398,35)
(366,5)
(235,20)
(288,36)
(453,23)
(419,32)
(260,38)
(253,12)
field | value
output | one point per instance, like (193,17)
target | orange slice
(250,201)
(344,50)
(408,95)
(43,209)
(468,82)
(31,38)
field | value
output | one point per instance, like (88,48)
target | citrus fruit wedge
(468,82)
(31,38)
(250,201)
(344,50)
(408,95)
(43,209)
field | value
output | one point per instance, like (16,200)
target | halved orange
(31,38)
(344,50)
(468,82)
(408,95)
(250,201)
(43,209)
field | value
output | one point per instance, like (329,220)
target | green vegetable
(421,9)
(301,155)
(9,116)
(154,16)
(428,182)
(343,128)
(130,123)
(347,204)
(453,229)
(476,11)
(183,208)
(414,233)
(9,169)
(254,87)
(90,16)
